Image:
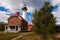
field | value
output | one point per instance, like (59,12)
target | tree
(2,26)
(43,20)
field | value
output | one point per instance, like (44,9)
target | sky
(56,10)
(9,7)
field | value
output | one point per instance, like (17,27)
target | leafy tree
(2,26)
(43,20)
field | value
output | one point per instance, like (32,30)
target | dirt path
(20,36)
(57,35)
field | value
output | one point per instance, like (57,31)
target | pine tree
(43,20)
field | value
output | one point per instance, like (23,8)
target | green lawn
(8,36)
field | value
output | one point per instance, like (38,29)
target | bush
(2,26)
(57,28)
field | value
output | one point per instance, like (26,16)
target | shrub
(2,26)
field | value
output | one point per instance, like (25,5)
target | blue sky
(29,14)
(55,8)
(29,17)
(9,7)
(3,9)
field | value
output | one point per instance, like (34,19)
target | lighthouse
(24,11)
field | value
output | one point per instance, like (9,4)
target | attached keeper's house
(17,23)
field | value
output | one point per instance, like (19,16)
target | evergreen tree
(43,20)
(2,26)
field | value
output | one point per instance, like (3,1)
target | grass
(8,36)
(31,36)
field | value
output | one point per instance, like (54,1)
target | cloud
(3,12)
(57,12)
(16,5)
(3,16)
(55,2)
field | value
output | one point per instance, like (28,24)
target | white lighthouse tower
(24,12)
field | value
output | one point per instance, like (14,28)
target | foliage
(2,26)
(44,21)
(57,28)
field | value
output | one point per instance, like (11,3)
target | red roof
(16,14)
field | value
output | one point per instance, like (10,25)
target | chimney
(18,13)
